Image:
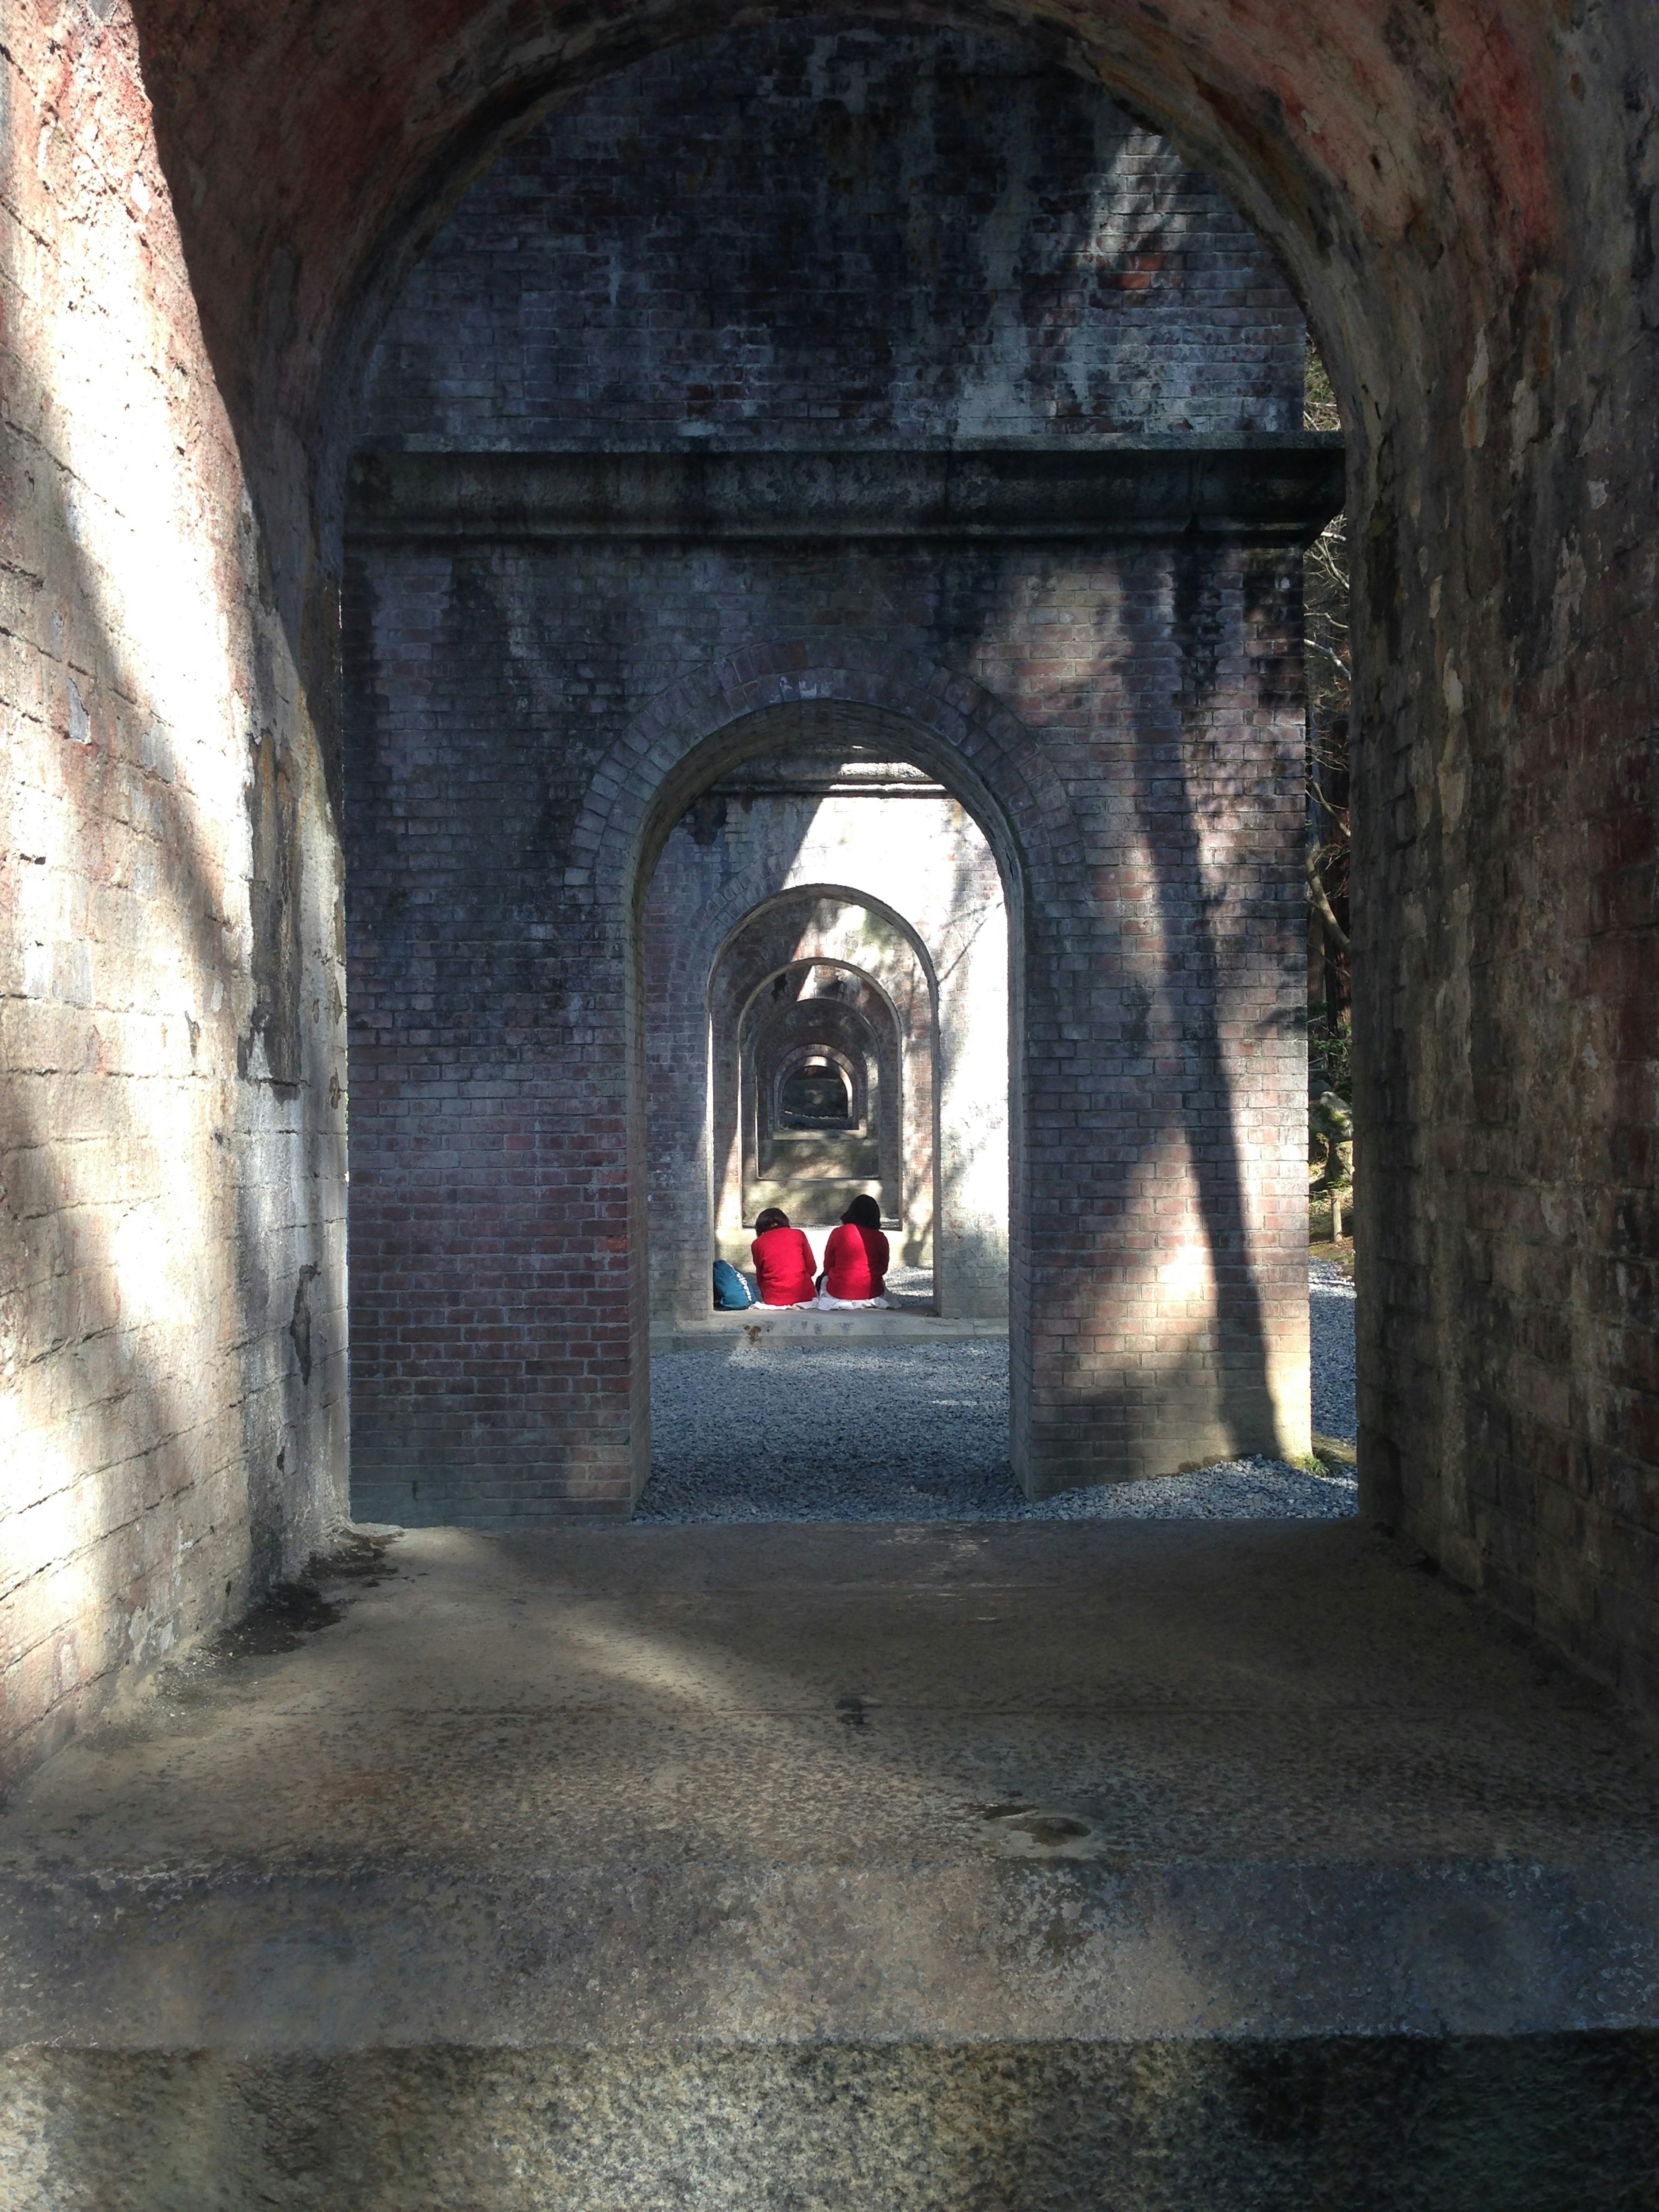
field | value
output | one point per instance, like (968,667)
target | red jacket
(855,1262)
(784,1266)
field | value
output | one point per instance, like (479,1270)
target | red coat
(855,1262)
(784,1266)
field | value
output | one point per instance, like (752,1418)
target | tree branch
(1321,907)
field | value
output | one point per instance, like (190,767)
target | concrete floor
(797,1735)
(1070,1788)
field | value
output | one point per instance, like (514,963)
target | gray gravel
(919,1432)
(1330,1315)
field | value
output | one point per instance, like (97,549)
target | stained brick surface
(725,910)
(864,232)
(171,1155)
(1135,720)
(800,235)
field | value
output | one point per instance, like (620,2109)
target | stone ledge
(1262,489)
(1464,2124)
(784,1325)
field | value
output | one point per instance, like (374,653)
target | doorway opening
(826,969)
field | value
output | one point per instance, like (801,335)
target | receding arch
(789,692)
(788,1018)
(802,1059)
(755,907)
(1035,680)
(969,1175)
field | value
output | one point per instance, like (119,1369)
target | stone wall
(172,1034)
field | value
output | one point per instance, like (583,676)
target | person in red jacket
(783,1261)
(855,1258)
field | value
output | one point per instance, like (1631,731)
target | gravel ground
(1330,1312)
(919,1432)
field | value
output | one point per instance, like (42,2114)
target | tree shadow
(170,1205)
(1197,980)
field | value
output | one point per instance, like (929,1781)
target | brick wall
(788,236)
(810,230)
(172,1146)
(1133,720)
(1466,195)
(1505,799)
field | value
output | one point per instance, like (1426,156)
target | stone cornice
(1256,488)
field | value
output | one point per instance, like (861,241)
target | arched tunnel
(451,461)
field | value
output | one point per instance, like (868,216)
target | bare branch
(1321,906)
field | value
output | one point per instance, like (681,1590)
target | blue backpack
(732,1293)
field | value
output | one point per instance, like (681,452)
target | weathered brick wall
(1466,196)
(1506,791)
(172,1162)
(1134,714)
(809,230)
(837,1009)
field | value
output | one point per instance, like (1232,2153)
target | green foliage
(1330,1046)
(1326,593)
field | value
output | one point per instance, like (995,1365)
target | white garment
(824,1298)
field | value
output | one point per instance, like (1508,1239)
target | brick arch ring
(868,1024)
(697,960)
(694,730)
(799,1056)
(753,894)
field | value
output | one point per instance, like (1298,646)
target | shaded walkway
(971,1868)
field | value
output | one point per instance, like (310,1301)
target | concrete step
(809,1325)
(1544,2123)
(958,1866)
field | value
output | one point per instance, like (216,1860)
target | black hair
(863,1212)
(771,1217)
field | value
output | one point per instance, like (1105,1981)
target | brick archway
(1464,197)
(1137,1214)
(681,1023)
(775,697)
(859,699)
(892,1146)
(694,729)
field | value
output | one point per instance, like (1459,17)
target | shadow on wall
(691,1118)
(972,1152)
(1195,985)
(1175,1127)
(177,1366)
(722,895)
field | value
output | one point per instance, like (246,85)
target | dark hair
(773,1217)
(863,1212)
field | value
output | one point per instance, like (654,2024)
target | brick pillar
(1165,1063)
